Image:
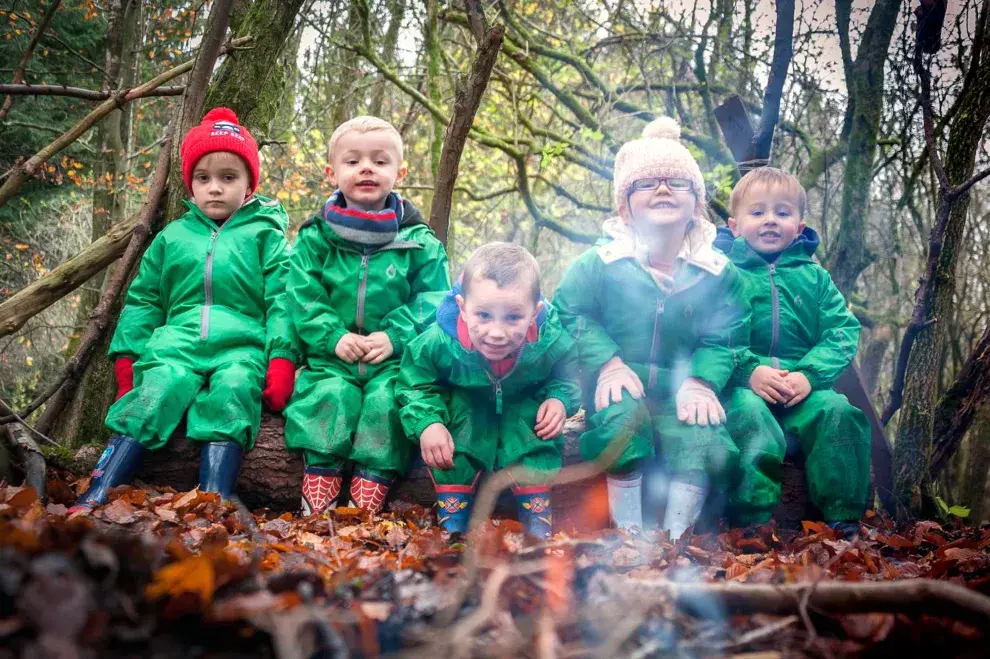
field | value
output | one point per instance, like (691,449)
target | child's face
(768,218)
(497,318)
(365,167)
(653,204)
(220,184)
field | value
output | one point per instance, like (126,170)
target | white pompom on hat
(659,153)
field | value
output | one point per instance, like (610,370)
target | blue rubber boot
(116,466)
(535,511)
(219,464)
(454,507)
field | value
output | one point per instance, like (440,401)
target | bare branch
(783,48)
(100,319)
(465,108)
(19,74)
(27,89)
(21,173)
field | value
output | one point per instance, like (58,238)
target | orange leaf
(193,575)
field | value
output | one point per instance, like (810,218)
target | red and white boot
(320,489)
(368,491)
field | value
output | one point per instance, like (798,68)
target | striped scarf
(366,228)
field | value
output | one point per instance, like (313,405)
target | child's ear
(401,175)
(460,302)
(624,213)
(734,226)
(539,308)
(331,176)
(801,227)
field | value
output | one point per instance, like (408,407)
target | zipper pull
(660,306)
(772,267)
(498,397)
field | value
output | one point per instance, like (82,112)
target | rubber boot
(116,466)
(454,504)
(368,490)
(684,504)
(535,511)
(625,500)
(320,489)
(219,464)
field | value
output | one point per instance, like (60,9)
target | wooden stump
(271,477)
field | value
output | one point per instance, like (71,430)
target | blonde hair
(364,124)
(769,177)
(503,263)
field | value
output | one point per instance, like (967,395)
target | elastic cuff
(394,339)
(333,339)
(629,479)
(417,430)
(284,354)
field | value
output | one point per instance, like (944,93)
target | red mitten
(123,370)
(279,380)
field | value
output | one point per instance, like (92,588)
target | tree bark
(850,256)
(465,106)
(913,452)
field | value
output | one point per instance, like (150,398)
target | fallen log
(271,477)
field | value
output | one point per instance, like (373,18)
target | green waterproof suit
(203,317)
(491,419)
(342,411)
(801,324)
(612,306)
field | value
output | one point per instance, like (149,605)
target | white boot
(684,503)
(625,500)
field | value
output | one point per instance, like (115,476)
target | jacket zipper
(362,292)
(204,319)
(497,383)
(655,343)
(774,316)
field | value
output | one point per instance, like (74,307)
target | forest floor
(164,573)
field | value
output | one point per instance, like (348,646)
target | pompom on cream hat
(659,153)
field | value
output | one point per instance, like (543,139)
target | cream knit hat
(658,153)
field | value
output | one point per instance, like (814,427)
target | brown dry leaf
(898,541)
(194,576)
(21,497)
(167,514)
(734,571)
(186,501)
(396,536)
(120,512)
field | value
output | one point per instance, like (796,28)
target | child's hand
(613,377)
(697,403)
(437,446)
(799,383)
(550,419)
(379,348)
(771,384)
(351,347)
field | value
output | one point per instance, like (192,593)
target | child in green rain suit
(490,385)
(803,337)
(659,322)
(365,277)
(203,318)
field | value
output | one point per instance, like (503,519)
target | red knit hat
(219,131)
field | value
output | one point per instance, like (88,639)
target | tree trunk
(975,492)
(850,256)
(82,421)
(913,449)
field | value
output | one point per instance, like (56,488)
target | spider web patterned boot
(320,489)
(368,491)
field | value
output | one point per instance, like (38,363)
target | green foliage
(947,511)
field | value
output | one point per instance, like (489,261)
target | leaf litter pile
(164,573)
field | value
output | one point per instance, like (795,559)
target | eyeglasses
(673,184)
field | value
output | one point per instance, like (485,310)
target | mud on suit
(342,411)
(490,418)
(202,319)
(612,306)
(801,323)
